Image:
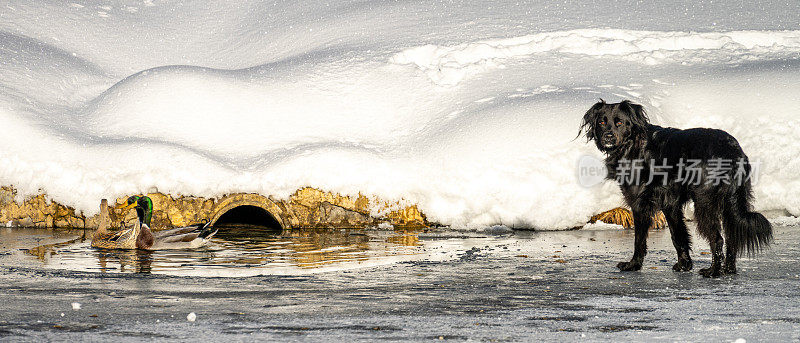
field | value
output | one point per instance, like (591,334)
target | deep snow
(469,110)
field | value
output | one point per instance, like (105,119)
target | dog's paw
(682,266)
(629,266)
(730,270)
(711,272)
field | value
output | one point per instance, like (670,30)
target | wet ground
(395,286)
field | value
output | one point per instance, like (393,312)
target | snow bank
(447,65)
(476,129)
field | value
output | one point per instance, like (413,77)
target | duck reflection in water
(131,261)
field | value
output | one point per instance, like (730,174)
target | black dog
(663,168)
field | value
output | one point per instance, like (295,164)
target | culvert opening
(249,218)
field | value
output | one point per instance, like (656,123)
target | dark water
(234,251)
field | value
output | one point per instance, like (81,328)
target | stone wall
(37,211)
(306,208)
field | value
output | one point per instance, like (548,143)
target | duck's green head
(143,206)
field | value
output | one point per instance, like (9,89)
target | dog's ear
(589,119)
(638,116)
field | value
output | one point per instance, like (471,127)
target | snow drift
(473,121)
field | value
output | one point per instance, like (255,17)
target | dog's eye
(602,122)
(619,122)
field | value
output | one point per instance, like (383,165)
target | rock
(92,222)
(338,216)
(25,222)
(103,219)
(207,206)
(308,207)
(77,222)
(175,216)
(6,196)
(408,216)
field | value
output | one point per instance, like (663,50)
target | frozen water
(466,109)
(523,286)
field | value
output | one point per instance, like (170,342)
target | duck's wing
(176,231)
(181,230)
(186,237)
(115,240)
(186,240)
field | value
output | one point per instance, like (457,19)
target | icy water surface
(234,251)
(491,286)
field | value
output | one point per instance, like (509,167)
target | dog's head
(612,126)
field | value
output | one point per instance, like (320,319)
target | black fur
(623,132)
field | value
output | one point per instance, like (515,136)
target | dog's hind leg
(745,230)
(681,238)
(730,256)
(707,215)
(731,246)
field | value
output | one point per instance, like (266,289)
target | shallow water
(234,251)
(491,286)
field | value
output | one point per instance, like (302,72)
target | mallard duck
(141,237)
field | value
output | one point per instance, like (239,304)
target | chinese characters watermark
(689,172)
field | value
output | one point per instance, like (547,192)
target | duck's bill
(127,206)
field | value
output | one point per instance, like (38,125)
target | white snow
(191,317)
(600,226)
(76,306)
(785,221)
(449,65)
(468,111)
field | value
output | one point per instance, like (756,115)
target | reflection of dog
(651,163)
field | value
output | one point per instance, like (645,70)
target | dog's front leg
(642,219)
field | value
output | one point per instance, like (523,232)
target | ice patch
(601,226)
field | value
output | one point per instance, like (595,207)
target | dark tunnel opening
(251,218)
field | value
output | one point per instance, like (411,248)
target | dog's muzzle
(608,140)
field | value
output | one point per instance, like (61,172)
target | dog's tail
(745,230)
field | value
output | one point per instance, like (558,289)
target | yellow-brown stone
(624,217)
(306,208)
